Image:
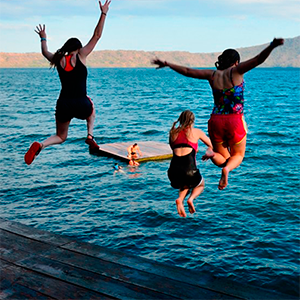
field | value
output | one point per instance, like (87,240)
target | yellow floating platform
(150,150)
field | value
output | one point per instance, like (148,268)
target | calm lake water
(249,232)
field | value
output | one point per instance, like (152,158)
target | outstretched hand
(159,63)
(277,42)
(41,31)
(209,154)
(105,6)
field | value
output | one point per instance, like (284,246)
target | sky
(196,26)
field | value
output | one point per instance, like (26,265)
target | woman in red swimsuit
(227,128)
(73,102)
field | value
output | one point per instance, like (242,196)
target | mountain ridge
(285,56)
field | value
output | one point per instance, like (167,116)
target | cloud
(138,23)
(13,9)
(273,2)
(15,27)
(270,9)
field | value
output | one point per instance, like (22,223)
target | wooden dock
(36,264)
(151,150)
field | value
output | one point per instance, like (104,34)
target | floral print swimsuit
(227,124)
(229,101)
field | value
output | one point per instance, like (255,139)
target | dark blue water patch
(271,134)
(151,132)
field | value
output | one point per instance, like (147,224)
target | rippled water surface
(249,232)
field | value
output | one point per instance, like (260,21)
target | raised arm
(88,48)
(250,64)
(188,72)
(41,31)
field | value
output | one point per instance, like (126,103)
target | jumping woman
(73,102)
(226,126)
(183,172)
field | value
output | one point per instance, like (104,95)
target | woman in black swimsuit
(183,172)
(73,101)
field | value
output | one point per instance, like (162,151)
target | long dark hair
(70,45)
(186,119)
(227,59)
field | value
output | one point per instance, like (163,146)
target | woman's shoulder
(198,130)
(197,133)
(81,58)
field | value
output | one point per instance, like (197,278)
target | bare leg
(237,152)
(90,122)
(90,128)
(224,178)
(61,134)
(179,202)
(60,137)
(221,154)
(195,193)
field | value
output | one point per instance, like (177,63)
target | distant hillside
(286,56)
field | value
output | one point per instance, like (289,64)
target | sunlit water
(249,232)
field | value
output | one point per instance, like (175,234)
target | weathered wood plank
(17,279)
(200,279)
(10,288)
(151,150)
(35,234)
(18,292)
(42,259)
(14,247)
(174,288)
(90,280)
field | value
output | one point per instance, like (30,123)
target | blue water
(249,232)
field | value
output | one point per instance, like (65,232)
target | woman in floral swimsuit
(226,126)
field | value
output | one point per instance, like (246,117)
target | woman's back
(225,79)
(73,77)
(228,92)
(186,140)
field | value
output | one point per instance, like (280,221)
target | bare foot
(180,208)
(192,209)
(224,179)
(208,154)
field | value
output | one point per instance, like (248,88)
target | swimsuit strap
(231,77)
(68,66)
(182,146)
(192,154)
(213,75)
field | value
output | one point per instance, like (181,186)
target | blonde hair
(185,120)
